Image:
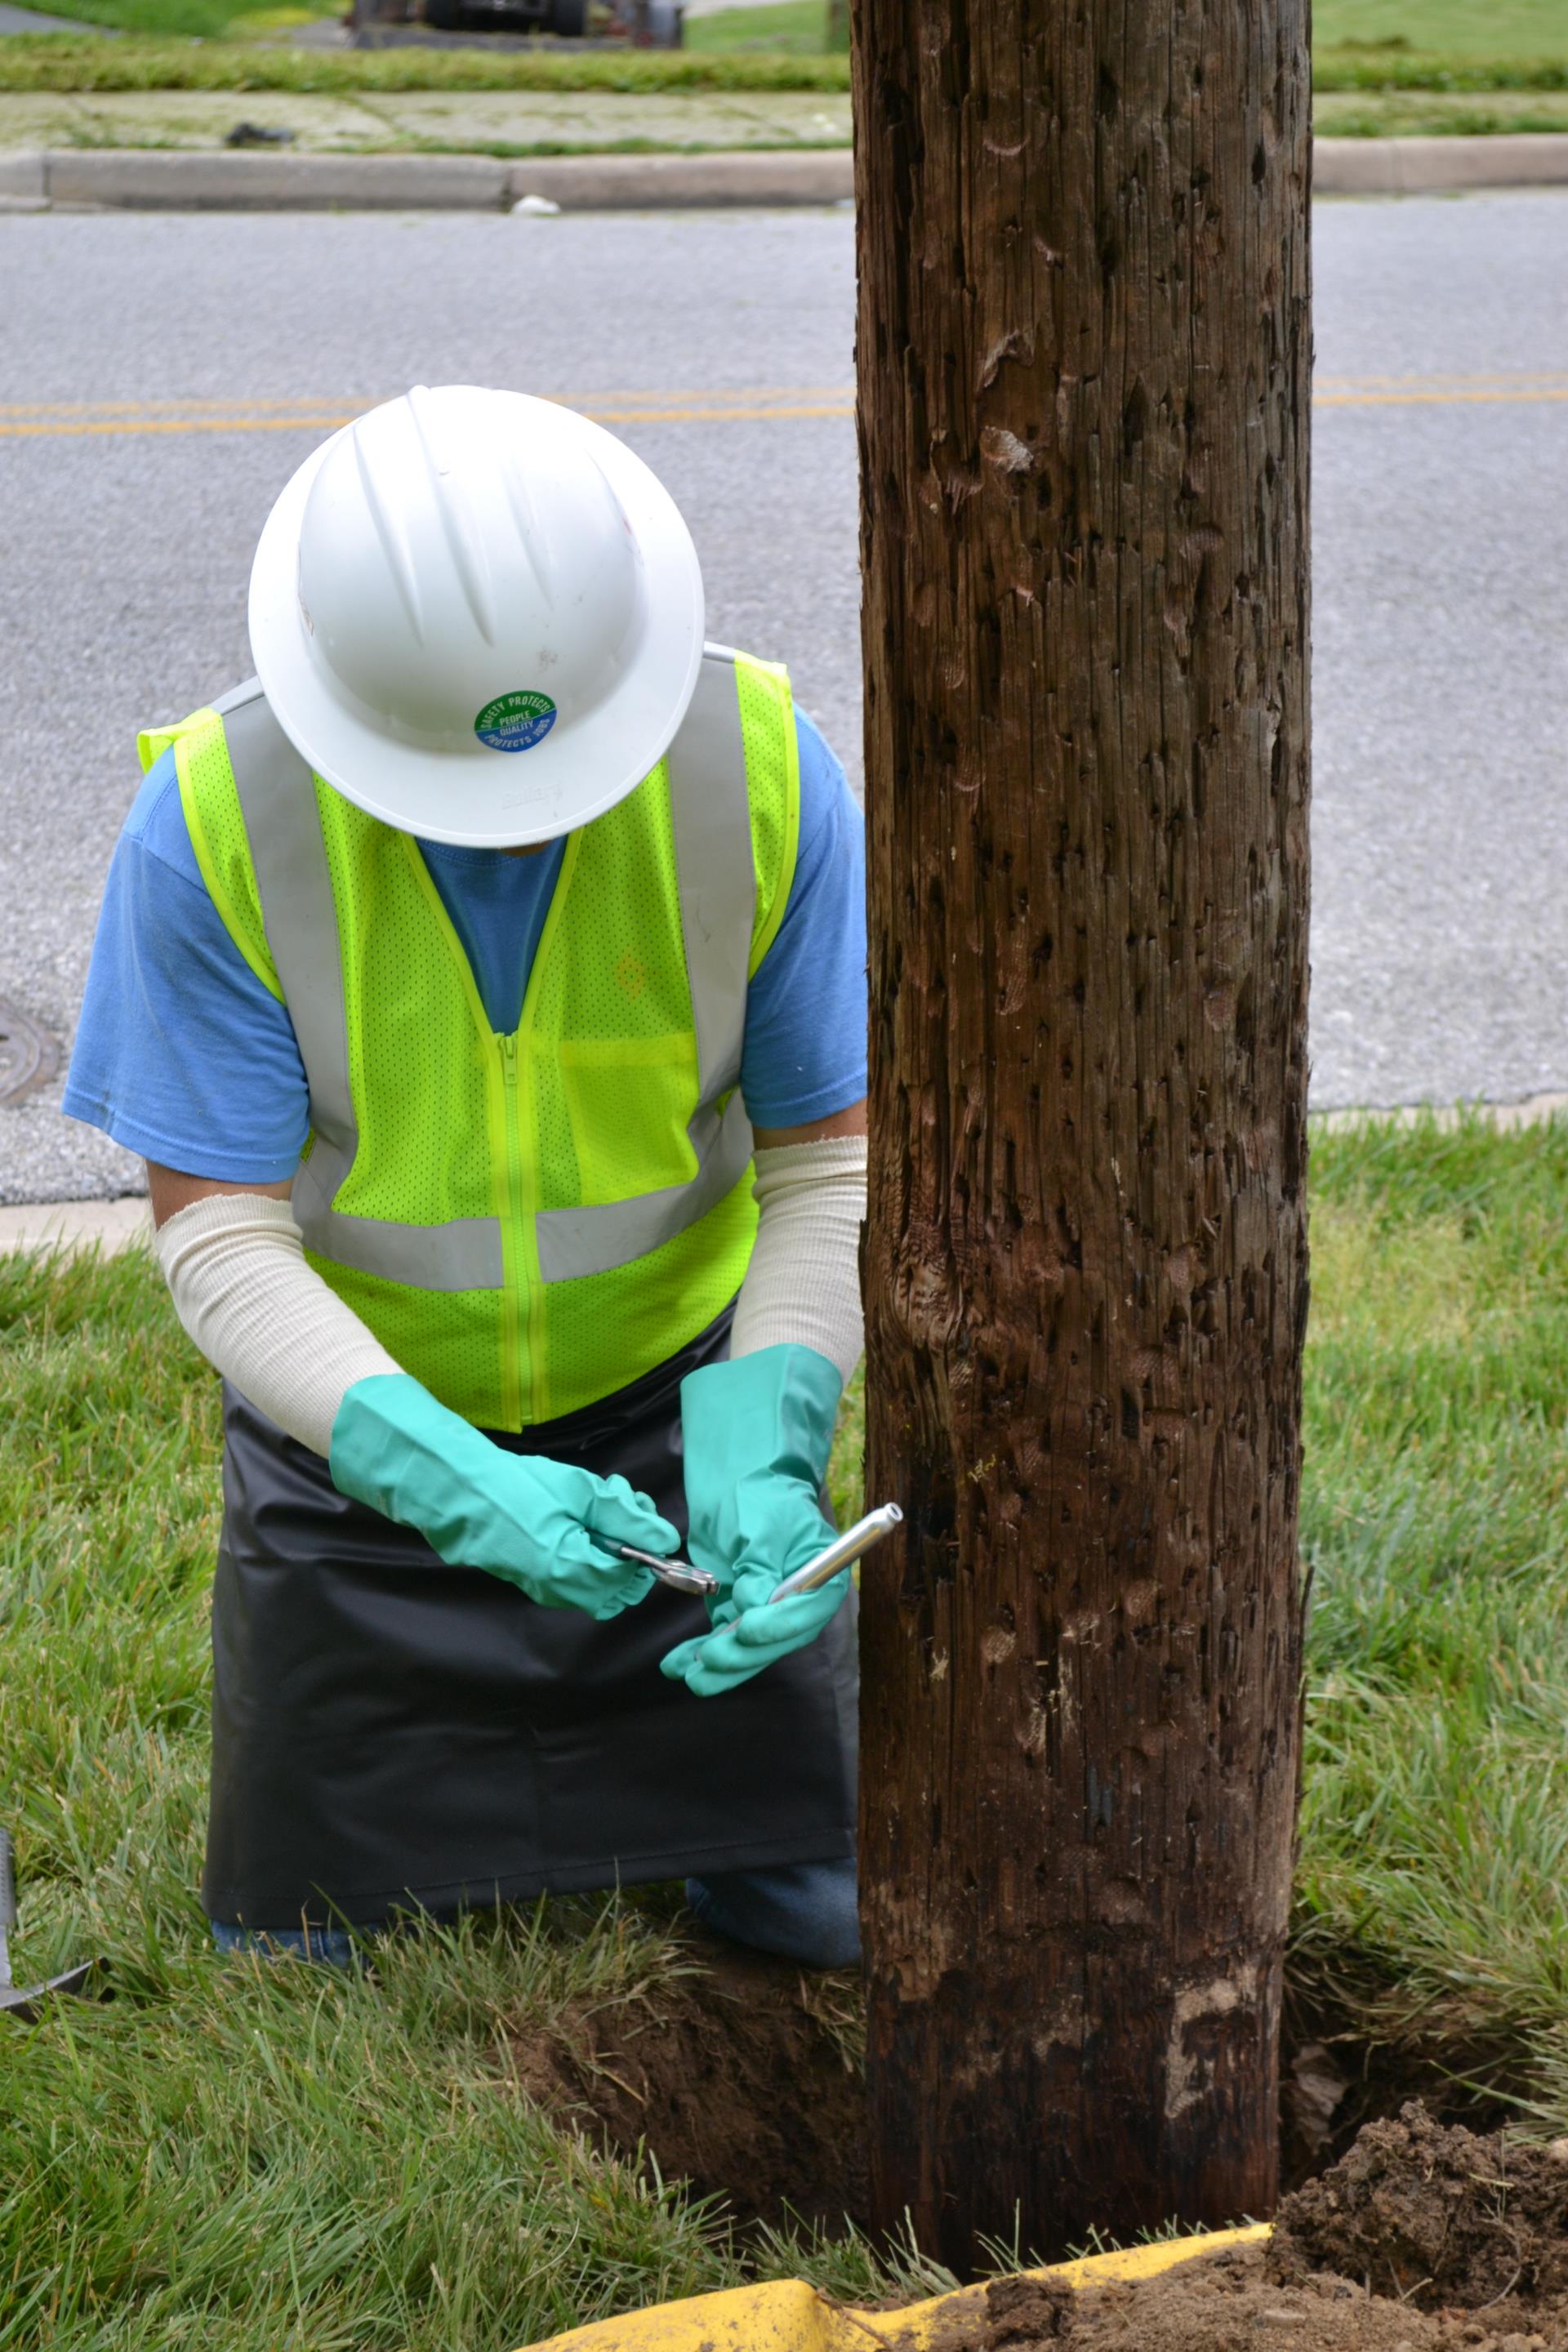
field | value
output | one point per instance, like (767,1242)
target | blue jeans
(806,1911)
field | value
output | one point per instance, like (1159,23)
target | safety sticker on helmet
(516,722)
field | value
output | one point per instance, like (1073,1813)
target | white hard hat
(478,615)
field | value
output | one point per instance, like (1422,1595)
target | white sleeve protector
(235,1265)
(236,1269)
(803,1281)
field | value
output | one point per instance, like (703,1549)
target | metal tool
(23,2001)
(680,1575)
(840,1552)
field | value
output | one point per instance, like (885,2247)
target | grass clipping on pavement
(286,2156)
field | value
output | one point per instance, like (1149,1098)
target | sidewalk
(485,150)
(478,122)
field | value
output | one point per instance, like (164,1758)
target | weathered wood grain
(1084,353)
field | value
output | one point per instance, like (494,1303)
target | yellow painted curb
(790,2317)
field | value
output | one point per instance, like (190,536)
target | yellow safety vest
(527,1223)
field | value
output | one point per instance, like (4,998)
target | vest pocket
(628,1100)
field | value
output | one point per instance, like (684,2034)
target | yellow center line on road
(310,406)
(115,419)
(329,422)
(1437,399)
(1436,379)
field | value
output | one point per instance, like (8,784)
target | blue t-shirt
(183,1056)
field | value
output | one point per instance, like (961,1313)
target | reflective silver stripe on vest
(717,891)
(718,884)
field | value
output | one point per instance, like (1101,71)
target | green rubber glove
(757,1433)
(527,1519)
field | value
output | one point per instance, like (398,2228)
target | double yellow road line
(744,405)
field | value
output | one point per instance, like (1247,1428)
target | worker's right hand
(525,1519)
(756,1435)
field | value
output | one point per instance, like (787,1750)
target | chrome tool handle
(840,1552)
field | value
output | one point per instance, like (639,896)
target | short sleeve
(181,1053)
(804,1052)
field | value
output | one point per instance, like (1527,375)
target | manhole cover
(28,1055)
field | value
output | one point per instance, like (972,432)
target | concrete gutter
(155,179)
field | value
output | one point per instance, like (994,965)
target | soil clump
(742,2077)
(1436,2216)
(1422,2238)
(1222,2303)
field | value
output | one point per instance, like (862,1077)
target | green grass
(261,2156)
(788,29)
(791,28)
(276,2160)
(1416,114)
(1432,1888)
(66,61)
(1362,45)
(1502,29)
(1358,96)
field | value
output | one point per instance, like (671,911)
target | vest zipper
(515,1314)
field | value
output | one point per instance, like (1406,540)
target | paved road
(162,376)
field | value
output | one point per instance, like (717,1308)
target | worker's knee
(806,1911)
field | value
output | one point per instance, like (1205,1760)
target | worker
(484,986)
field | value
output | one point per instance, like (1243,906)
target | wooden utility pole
(1083,352)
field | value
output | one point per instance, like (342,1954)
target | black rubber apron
(389,1731)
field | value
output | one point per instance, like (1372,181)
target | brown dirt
(1225,2303)
(743,2074)
(1422,2239)
(1439,2217)
(1351,2055)
(742,2077)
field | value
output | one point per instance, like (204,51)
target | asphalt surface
(193,362)
(32,20)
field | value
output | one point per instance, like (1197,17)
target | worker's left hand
(756,1435)
(751,1631)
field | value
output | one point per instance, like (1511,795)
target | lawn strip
(63,61)
(68,62)
(1389,70)
(1415,114)
(1432,1898)
(1503,28)
(272,2154)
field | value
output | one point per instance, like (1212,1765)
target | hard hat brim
(478,798)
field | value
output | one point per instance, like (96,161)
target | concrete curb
(1429,167)
(173,180)
(186,180)
(155,179)
(811,175)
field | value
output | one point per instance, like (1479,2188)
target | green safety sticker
(516,722)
